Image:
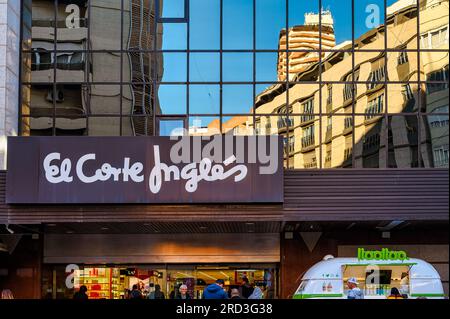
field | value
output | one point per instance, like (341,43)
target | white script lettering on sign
(57,171)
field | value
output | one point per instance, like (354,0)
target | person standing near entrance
(157,294)
(215,291)
(81,294)
(246,288)
(354,292)
(175,292)
(257,293)
(183,293)
(136,293)
(235,294)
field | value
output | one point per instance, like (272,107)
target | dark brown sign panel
(127,170)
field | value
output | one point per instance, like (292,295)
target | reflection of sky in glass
(174,36)
(270,20)
(238,67)
(175,67)
(238,24)
(170,127)
(265,70)
(204,23)
(204,99)
(204,67)
(238,35)
(172,99)
(237,99)
(173,9)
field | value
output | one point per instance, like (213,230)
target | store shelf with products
(118,284)
(97,281)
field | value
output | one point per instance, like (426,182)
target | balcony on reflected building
(377,77)
(327,163)
(311,164)
(284,124)
(348,125)
(328,134)
(308,113)
(308,143)
(374,110)
(348,158)
(371,144)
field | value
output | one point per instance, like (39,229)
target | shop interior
(114,282)
(378,282)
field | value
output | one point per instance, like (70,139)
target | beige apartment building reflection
(310,136)
(85,101)
(305,37)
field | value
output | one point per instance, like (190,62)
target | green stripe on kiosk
(313,296)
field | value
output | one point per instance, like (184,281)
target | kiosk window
(384,277)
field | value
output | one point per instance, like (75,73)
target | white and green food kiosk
(376,271)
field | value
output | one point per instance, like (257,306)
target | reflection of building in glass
(353,128)
(76,76)
(143,64)
(437,123)
(434,34)
(236,125)
(305,37)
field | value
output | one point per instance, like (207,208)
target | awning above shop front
(162,248)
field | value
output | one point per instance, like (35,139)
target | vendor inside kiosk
(377,282)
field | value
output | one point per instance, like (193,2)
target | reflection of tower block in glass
(142,31)
(304,38)
(314,19)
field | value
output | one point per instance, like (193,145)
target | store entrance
(197,278)
(116,281)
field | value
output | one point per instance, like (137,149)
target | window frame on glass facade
(161,19)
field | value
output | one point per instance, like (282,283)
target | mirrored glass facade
(346,83)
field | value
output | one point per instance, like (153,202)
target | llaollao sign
(383,254)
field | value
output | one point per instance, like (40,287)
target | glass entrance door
(197,278)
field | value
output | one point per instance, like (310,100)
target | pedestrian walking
(215,291)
